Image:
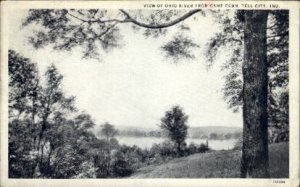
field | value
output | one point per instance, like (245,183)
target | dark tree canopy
(175,123)
(46,134)
(108,130)
(23,83)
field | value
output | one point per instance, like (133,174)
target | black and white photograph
(200,92)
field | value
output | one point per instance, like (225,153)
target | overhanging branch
(97,20)
(130,19)
(158,26)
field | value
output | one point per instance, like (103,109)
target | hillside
(219,164)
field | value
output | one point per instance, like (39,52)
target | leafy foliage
(96,30)
(231,36)
(174,122)
(120,166)
(179,47)
(278,76)
(23,93)
(43,136)
(65,30)
(108,131)
(23,84)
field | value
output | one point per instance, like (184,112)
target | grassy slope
(219,164)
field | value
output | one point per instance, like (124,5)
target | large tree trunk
(255,158)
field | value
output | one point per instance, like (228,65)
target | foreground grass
(218,164)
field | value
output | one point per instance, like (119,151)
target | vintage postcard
(149,93)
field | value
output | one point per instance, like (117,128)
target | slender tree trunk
(33,132)
(179,149)
(255,159)
(34,125)
(109,160)
(49,171)
(41,134)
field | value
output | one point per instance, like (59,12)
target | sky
(135,84)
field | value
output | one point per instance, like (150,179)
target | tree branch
(97,20)
(108,29)
(279,35)
(77,17)
(130,19)
(158,26)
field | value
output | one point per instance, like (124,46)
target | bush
(192,148)
(203,148)
(134,155)
(101,159)
(167,149)
(277,134)
(87,170)
(120,166)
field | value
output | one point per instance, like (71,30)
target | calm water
(146,142)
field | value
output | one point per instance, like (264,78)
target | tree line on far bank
(159,133)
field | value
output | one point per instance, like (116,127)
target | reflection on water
(146,142)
